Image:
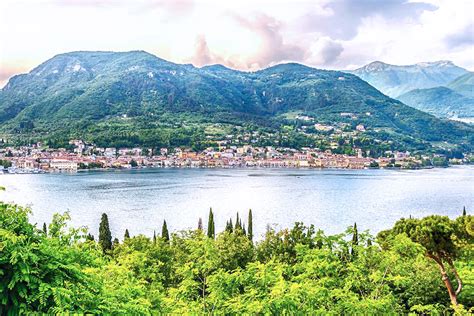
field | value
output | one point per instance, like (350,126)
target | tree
(164,232)
(211,230)
(229,227)
(115,243)
(250,226)
(154,237)
(439,237)
(464,211)
(237,223)
(45,229)
(200,224)
(105,236)
(126,235)
(355,239)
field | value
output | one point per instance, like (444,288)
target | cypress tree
(250,226)
(115,243)
(211,232)
(45,229)
(127,234)
(164,232)
(243,230)
(355,239)
(105,236)
(464,213)
(237,222)
(355,236)
(200,224)
(154,237)
(230,226)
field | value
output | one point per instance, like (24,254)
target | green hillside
(140,97)
(440,101)
(463,84)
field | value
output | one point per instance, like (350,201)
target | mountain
(440,101)
(395,80)
(136,95)
(463,84)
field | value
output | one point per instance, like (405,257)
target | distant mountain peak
(395,80)
(375,66)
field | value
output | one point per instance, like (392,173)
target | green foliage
(164,232)
(440,101)
(443,240)
(105,236)
(5,163)
(114,106)
(295,271)
(250,227)
(211,229)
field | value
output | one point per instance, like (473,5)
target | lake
(330,199)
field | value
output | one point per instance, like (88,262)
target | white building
(63,165)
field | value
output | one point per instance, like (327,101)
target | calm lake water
(330,199)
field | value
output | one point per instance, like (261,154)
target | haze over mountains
(440,88)
(452,101)
(395,80)
(95,87)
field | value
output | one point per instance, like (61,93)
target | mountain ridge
(91,89)
(395,80)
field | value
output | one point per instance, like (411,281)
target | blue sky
(244,34)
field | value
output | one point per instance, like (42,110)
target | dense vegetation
(463,85)
(440,101)
(138,99)
(297,271)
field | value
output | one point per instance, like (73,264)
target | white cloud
(246,34)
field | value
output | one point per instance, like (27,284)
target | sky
(241,34)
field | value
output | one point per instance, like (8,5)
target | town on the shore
(38,158)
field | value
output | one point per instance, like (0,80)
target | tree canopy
(292,271)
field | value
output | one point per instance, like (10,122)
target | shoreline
(223,168)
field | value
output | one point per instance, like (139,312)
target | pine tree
(45,229)
(105,236)
(127,234)
(464,213)
(164,232)
(250,226)
(200,224)
(211,233)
